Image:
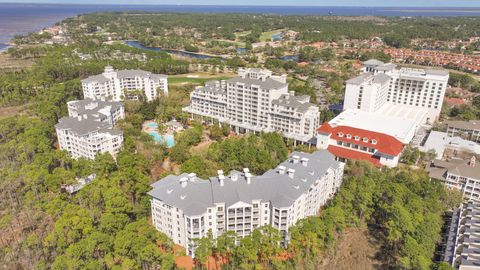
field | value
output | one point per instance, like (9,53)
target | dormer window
(349,136)
(356,138)
(340,134)
(365,139)
(374,141)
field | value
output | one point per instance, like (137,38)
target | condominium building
(462,245)
(256,101)
(384,84)
(469,130)
(460,174)
(124,84)
(186,208)
(89,128)
(101,110)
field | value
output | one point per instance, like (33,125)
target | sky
(370,3)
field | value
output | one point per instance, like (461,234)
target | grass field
(267,36)
(197,78)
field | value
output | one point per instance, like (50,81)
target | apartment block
(89,128)
(383,84)
(462,247)
(124,84)
(468,130)
(256,101)
(186,207)
(460,174)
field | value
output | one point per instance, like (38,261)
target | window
(340,134)
(374,141)
(365,139)
(349,136)
(357,138)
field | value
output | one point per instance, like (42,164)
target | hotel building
(119,85)
(186,208)
(257,101)
(384,84)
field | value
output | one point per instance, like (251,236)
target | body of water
(137,45)
(23,18)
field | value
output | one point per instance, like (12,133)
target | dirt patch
(8,63)
(355,250)
(12,111)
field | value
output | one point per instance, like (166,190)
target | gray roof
(300,103)
(85,126)
(381,78)
(386,67)
(468,125)
(122,74)
(269,83)
(439,168)
(96,78)
(81,105)
(373,62)
(279,189)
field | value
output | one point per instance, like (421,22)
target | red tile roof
(386,144)
(352,154)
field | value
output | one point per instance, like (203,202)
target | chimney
(184,182)
(85,116)
(248,176)
(79,118)
(291,173)
(221,177)
(281,169)
(234,177)
(473,161)
(295,159)
(304,162)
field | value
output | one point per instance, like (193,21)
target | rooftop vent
(246,170)
(192,176)
(248,176)
(304,161)
(295,159)
(221,177)
(184,182)
(234,177)
(281,169)
(291,173)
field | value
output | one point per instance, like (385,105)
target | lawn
(197,78)
(267,36)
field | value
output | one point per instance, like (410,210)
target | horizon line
(222,5)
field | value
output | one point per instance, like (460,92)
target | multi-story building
(124,84)
(384,84)
(89,128)
(186,208)
(103,111)
(460,174)
(469,130)
(462,245)
(257,101)
(378,137)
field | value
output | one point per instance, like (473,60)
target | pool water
(152,125)
(166,139)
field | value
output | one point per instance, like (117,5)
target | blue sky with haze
(396,3)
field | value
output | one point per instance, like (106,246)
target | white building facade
(186,208)
(124,84)
(384,84)
(257,101)
(89,128)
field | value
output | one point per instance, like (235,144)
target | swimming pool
(152,125)
(166,139)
